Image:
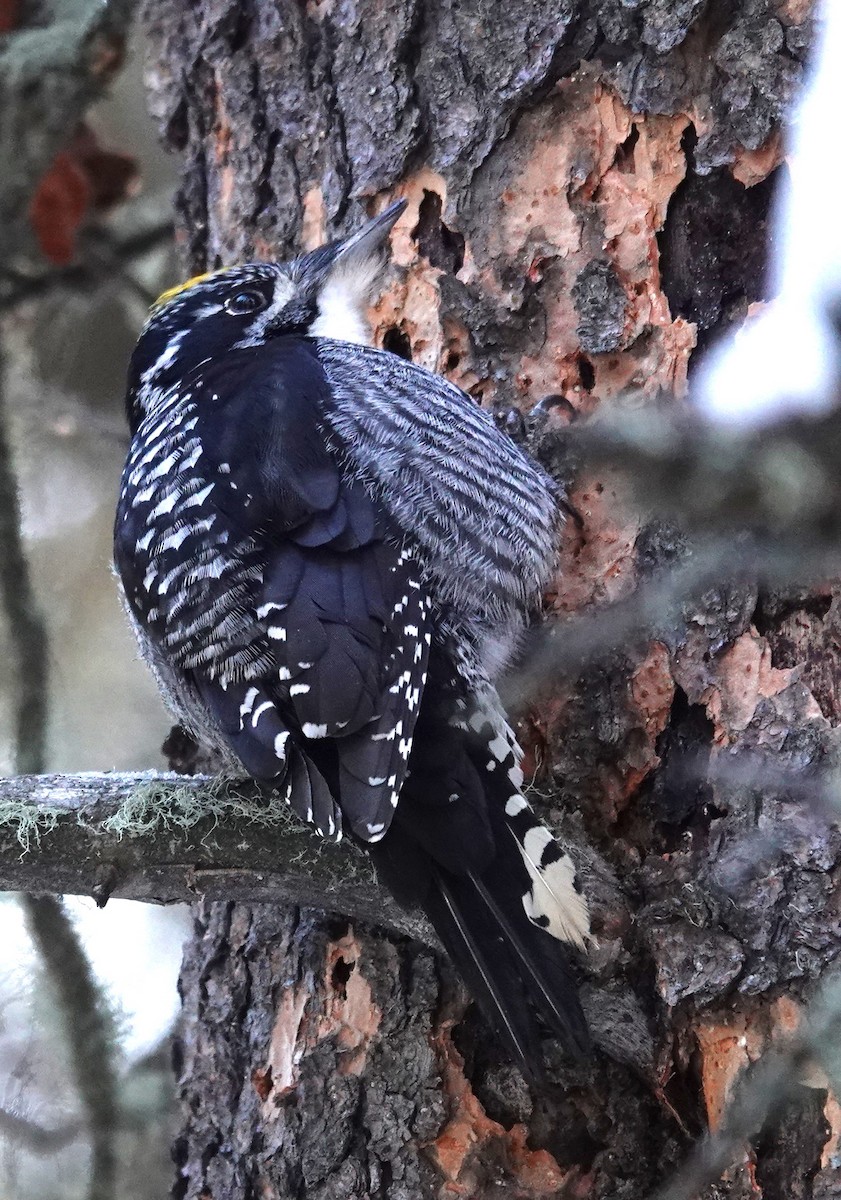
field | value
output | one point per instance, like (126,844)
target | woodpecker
(328,555)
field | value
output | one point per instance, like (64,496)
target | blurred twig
(560,648)
(49,74)
(660,606)
(104,256)
(780,480)
(762,1092)
(35,1137)
(777,490)
(28,637)
(90,1037)
(89,1030)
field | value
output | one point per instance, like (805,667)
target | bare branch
(90,1032)
(37,1138)
(166,838)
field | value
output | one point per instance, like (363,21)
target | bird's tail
(514,967)
(499,890)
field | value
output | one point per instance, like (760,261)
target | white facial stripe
(197,300)
(284,290)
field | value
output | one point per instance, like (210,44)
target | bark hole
(342,972)
(775,606)
(397,342)
(442,246)
(586,373)
(680,796)
(261,1078)
(713,250)
(683,1091)
(625,153)
(243,20)
(265,198)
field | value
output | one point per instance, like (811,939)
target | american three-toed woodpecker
(328,554)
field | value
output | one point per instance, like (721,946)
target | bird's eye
(243,303)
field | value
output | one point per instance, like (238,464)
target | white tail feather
(552,901)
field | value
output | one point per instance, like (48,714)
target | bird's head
(322,294)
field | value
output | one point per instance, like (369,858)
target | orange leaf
(9,13)
(84,178)
(58,207)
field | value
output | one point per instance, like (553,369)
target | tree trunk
(588,186)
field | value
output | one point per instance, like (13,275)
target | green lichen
(160,805)
(202,811)
(29,821)
(154,806)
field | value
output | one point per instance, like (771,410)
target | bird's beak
(371,236)
(366,243)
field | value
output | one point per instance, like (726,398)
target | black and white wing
(323,700)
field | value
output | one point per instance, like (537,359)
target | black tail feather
(513,969)
(555,995)
(478,962)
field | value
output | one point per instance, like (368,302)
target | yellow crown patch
(172,292)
